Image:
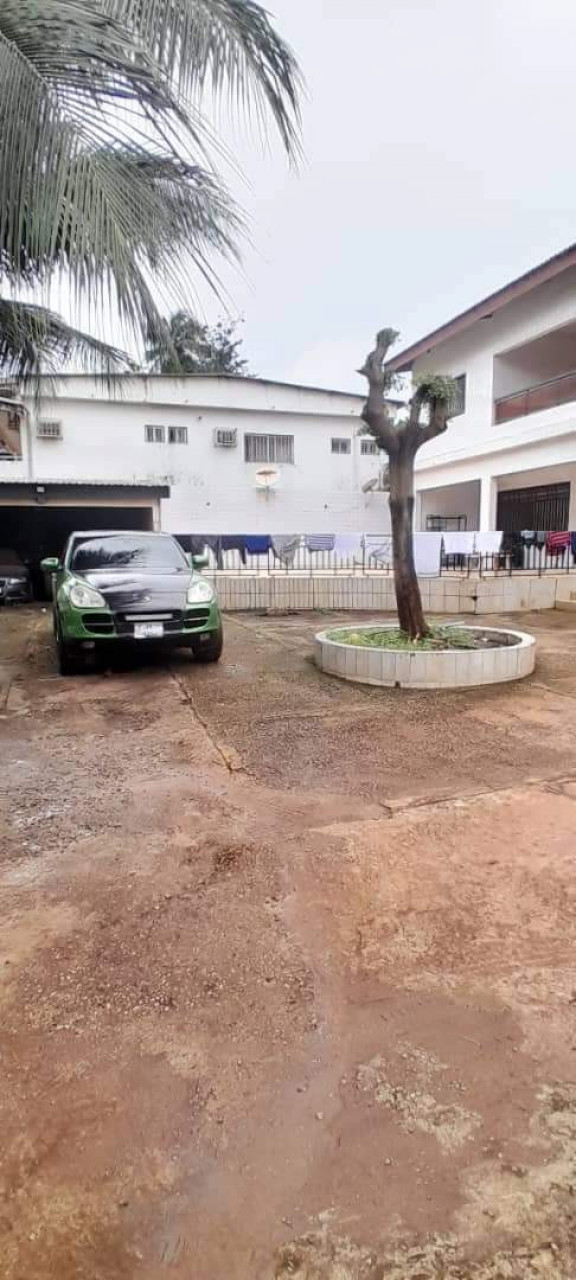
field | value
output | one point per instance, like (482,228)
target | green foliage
(392,638)
(187,346)
(107,166)
(31,336)
(436,387)
(387,337)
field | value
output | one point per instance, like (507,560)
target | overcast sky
(439,164)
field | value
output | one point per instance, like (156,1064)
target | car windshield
(125,551)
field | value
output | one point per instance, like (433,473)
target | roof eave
(484,310)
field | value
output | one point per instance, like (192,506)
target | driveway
(287,968)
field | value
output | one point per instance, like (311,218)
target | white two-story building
(189,455)
(508,458)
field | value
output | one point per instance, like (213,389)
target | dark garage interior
(38,531)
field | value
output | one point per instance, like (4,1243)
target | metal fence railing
(517,558)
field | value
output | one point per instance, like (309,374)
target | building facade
(189,455)
(508,458)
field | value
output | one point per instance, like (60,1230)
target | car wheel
(70,658)
(209,650)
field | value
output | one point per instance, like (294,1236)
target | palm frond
(34,340)
(84,57)
(226,46)
(101,132)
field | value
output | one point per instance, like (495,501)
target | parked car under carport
(15,585)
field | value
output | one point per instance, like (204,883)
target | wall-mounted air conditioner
(49,429)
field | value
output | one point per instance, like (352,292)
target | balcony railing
(542,396)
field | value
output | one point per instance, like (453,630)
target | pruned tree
(428,414)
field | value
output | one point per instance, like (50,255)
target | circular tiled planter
(449,669)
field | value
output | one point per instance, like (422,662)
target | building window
(268,448)
(341,445)
(49,429)
(369,446)
(177,435)
(154,435)
(460,396)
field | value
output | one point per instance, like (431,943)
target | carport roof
(159,488)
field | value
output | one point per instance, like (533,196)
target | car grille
(122,624)
(196,617)
(172,620)
(98,625)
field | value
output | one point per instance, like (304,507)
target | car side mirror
(199,562)
(50,565)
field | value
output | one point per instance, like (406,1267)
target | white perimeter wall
(212,489)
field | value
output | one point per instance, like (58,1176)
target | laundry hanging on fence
(556,543)
(379,549)
(320,541)
(458,544)
(285,546)
(349,546)
(221,542)
(193,543)
(212,541)
(427,553)
(258,544)
(488,542)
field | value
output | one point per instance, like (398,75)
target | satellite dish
(266,477)
(380,483)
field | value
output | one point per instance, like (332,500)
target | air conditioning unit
(9,389)
(49,429)
(225,438)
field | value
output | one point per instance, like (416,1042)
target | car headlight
(15,582)
(200,592)
(84,597)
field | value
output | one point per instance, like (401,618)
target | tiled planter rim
(440,669)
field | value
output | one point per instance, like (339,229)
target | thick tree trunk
(402,440)
(408,599)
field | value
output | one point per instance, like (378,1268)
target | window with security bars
(368,446)
(459,396)
(341,445)
(177,435)
(539,507)
(268,448)
(154,435)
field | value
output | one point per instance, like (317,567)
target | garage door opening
(35,532)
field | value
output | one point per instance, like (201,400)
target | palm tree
(107,183)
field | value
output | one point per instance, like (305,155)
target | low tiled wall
(447,594)
(455,669)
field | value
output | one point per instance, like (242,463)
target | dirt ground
(287,968)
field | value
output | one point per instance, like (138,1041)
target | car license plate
(148,630)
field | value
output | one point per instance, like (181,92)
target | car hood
(126,589)
(12,570)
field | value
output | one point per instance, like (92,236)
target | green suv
(116,588)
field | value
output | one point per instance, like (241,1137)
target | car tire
(209,650)
(70,658)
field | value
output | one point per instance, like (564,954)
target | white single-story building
(189,455)
(508,458)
